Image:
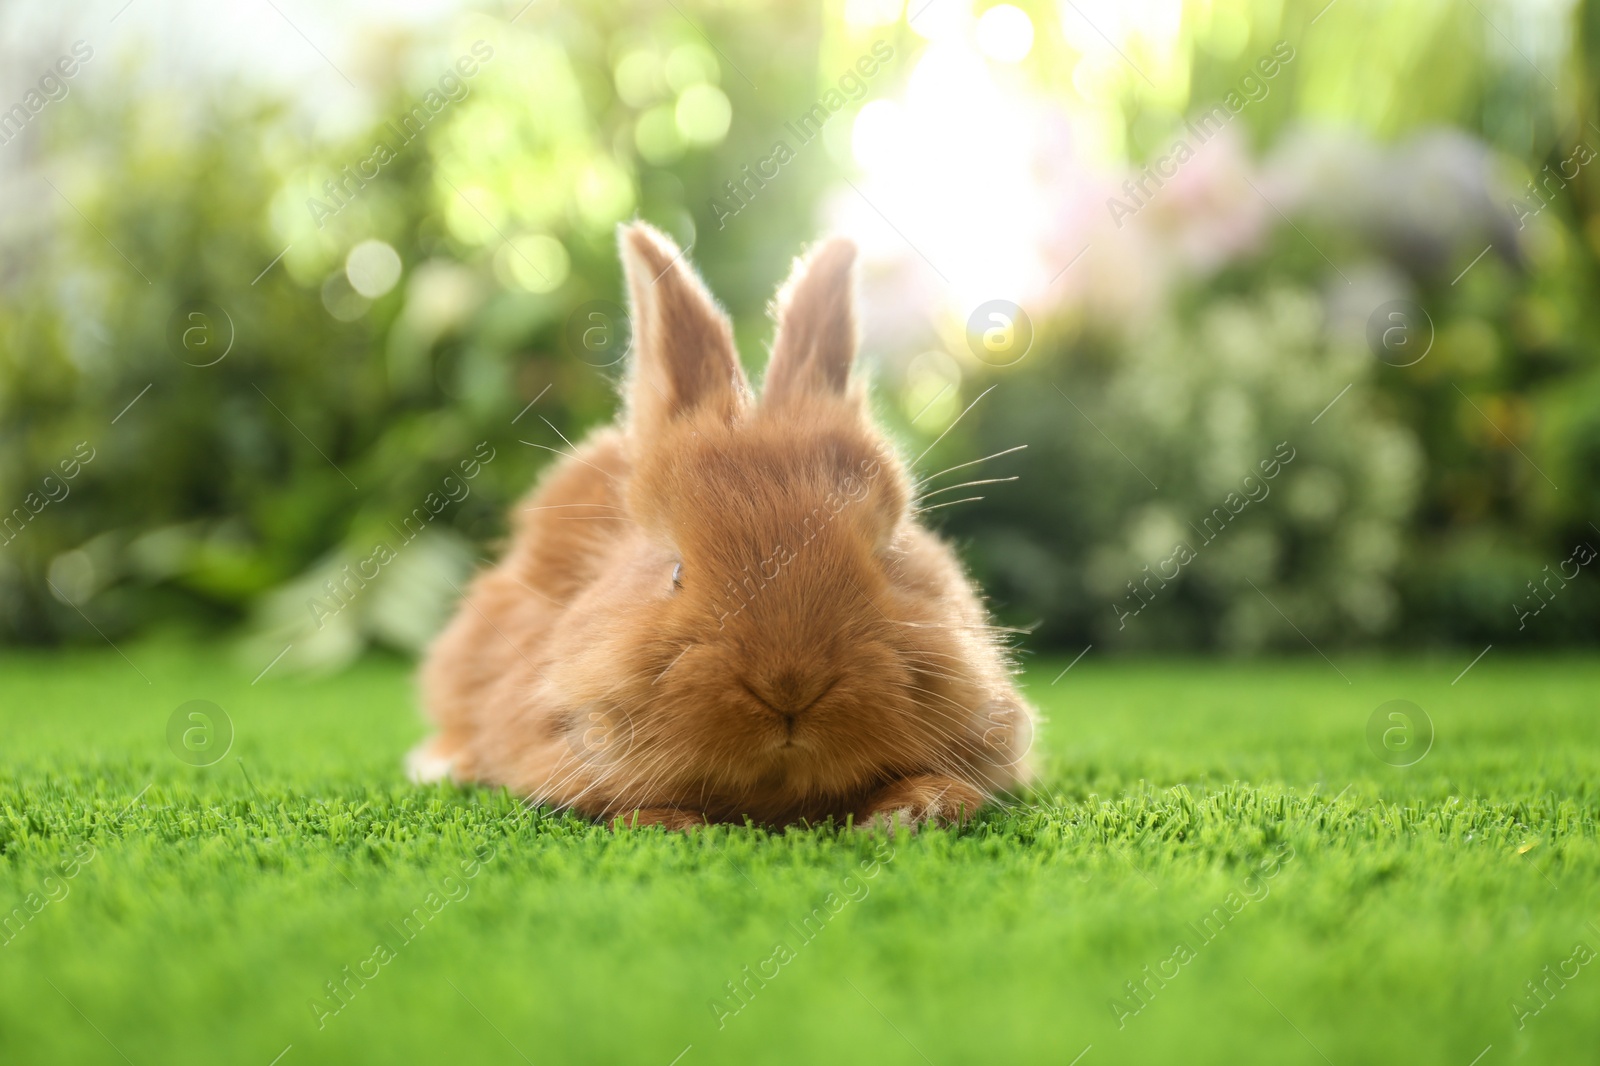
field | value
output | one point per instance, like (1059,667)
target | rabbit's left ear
(684,360)
(816,340)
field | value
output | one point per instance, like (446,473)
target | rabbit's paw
(426,763)
(911,801)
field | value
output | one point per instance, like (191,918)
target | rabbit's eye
(677,576)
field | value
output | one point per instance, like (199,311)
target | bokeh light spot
(703,114)
(373,268)
(1005,33)
(534,262)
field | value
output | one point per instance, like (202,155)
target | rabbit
(723,608)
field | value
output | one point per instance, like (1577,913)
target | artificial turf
(1219,834)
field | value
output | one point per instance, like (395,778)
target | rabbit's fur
(724,607)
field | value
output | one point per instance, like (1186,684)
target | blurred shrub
(1176,492)
(373,349)
(1432,501)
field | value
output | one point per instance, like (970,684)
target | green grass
(1408,908)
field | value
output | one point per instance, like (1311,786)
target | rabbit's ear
(816,339)
(684,359)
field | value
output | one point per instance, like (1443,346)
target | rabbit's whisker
(953,424)
(965,485)
(973,462)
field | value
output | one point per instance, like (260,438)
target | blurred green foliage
(227,496)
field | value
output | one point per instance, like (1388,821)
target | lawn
(1219,834)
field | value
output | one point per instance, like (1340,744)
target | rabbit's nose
(791,693)
(795,693)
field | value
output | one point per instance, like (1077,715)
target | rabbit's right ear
(816,340)
(684,360)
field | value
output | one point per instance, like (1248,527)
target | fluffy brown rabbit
(724,607)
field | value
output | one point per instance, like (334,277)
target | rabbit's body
(725,609)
